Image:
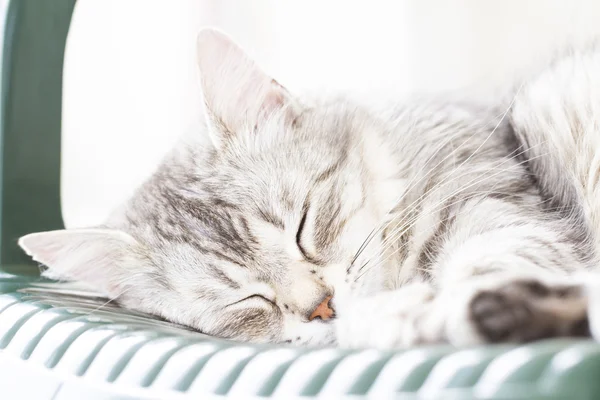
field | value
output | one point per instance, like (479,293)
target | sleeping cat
(286,219)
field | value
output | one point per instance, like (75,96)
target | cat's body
(425,222)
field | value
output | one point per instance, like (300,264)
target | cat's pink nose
(323,310)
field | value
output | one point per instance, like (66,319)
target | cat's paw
(527,310)
(385,320)
(517,310)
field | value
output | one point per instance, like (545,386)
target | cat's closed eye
(299,235)
(256,297)
(307,256)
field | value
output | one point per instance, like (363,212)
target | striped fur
(430,221)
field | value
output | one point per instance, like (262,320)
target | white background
(131,85)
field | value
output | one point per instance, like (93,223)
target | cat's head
(247,230)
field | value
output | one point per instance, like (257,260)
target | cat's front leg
(500,275)
(494,308)
(388,319)
(505,273)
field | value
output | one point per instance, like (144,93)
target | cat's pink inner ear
(93,256)
(237,93)
(41,247)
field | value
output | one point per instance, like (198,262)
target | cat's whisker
(390,239)
(454,178)
(380,262)
(412,183)
(385,225)
(411,223)
(113,298)
(414,221)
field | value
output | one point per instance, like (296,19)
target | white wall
(130,80)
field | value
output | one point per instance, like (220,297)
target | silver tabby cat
(287,219)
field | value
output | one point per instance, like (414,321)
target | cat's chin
(312,333)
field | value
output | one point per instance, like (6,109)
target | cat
(326,222)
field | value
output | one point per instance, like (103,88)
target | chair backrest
(35,34)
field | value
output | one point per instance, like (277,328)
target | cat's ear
(239,96)
(92,256)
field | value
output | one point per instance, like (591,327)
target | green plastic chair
(64,346)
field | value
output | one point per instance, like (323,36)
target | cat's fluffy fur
(430,221)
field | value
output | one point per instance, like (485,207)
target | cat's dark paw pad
(523,311)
